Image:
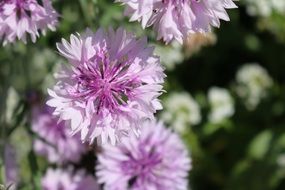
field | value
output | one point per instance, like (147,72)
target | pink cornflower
(157,160)
(176,19)
(111,86)
(60,179)
(54,139)
(21,17)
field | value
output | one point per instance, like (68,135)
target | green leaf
(260,145)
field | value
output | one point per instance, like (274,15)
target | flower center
(105,81)
(141,168)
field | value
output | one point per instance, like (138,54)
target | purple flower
(59,179)
(158,160)
(21,17)
(176,19)
(55,141)
(111,86)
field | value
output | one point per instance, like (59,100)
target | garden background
(225,94)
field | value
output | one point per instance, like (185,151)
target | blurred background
(225,95)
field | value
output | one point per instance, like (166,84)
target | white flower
(221,103)
(265,8)
(170,55)
(180,111)
(253,82)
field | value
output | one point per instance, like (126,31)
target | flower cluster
(265,8)
(68,180)
(221,104)
(55,141)
(176,19)
(109,92)
(111,86)
(253,81)
(21,17)
(157,160)
(181,110)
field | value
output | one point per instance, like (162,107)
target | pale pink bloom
(59,179)
(55,141)
(157,160)
(110,86)
(21,17)
(176,19)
